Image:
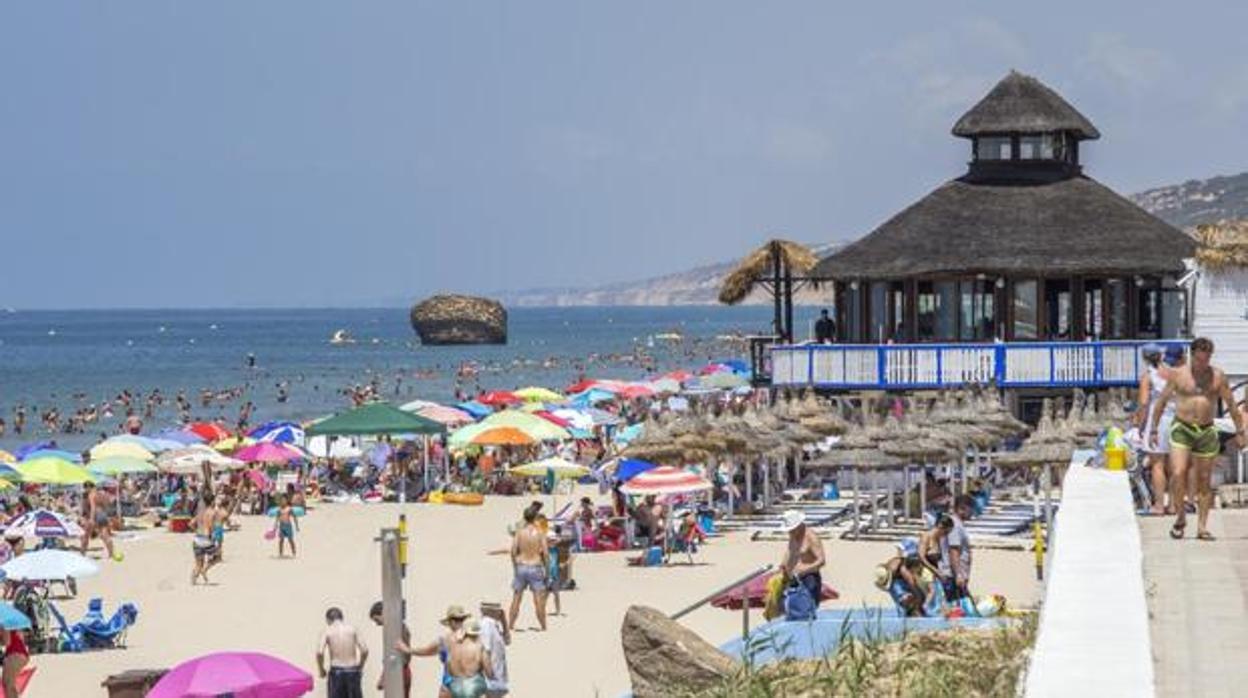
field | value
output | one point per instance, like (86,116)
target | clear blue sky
(267,152)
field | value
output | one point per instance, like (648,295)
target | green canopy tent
(375,419)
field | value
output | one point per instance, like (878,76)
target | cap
(792,519)
(908,548)
(1174,354)
(1151,349)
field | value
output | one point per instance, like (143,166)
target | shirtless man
(346,657)
(803,559)
(468,663)
(530,559)
(202,545)
(1193,438)
(446,648)
(96,505)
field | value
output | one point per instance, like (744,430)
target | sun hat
(454,612)
(792,519)
(882,576)
(472,627)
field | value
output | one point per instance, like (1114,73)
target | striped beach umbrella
(42,523)
(278,432)
(664,480)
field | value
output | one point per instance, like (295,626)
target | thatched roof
(1072,226)
(757,266)
(1222,245)
(1023,104)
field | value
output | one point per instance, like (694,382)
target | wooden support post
(392,613)
(857,509)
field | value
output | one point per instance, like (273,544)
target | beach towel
(773,602)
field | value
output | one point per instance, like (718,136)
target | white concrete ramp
(1094,631)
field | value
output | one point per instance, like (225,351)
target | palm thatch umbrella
(1222,245)
(767,264)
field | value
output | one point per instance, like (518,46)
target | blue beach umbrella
(52,453)
(26,449)
(476,409)
(186,438)
(151,443)
(278,432)
(11,618)
(630,468)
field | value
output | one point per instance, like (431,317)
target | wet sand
(259,602)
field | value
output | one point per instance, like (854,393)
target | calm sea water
(71,359)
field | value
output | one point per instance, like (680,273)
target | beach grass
(963,663)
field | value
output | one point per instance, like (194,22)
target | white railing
(903,366)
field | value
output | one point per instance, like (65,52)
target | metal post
(749,482)
(745,612)
(923,495)
(891,509)
(766,484)
(392,613)
(857,509)
(1048,504)
(1038,538)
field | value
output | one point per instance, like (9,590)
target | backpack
(798,603)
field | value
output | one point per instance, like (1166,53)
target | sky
(306,153)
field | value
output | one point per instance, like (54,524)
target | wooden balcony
(929,366)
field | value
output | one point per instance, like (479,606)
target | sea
(75,359)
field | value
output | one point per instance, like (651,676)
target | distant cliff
(1183,205)
(1198,201)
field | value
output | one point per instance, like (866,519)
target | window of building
(1026,316)
(1058,309)
(1116,308)
(1042,146)
(937,311)
(1093,310)
(977,316)
(878,331)
(993,148)
(898,330)
(852,330)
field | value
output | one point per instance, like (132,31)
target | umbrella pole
(766,484)
(1048,504)
(857,508)
(891,509)
(923,495)
(749,481)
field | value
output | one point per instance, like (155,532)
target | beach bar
(1024,272)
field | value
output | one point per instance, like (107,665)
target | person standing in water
(1194,439)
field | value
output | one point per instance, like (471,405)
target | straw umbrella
(857,459)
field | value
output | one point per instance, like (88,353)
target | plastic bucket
(1115,459)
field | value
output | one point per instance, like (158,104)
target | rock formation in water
(453,319)
(664,657)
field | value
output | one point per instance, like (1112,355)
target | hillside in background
(1198,201)
(1183,205)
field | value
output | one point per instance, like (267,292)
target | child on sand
(287,524)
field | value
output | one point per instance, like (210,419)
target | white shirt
(492,641)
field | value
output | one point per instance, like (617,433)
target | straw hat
(792,519)
(472,627)
(454,612)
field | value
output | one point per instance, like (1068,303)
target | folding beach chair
(70,638)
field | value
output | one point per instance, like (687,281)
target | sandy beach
(263,603)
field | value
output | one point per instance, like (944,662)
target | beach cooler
(180,524)
(831,491)
(134,683)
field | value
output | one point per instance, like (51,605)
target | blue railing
(920,366)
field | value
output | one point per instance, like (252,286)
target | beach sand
(262,603)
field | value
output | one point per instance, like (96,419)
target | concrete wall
(1094,636)
(1221,314)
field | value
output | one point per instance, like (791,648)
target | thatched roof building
(1222,245)
(1023,246)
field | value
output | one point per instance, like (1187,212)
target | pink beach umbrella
(267,452)
(666,479)
(237,674)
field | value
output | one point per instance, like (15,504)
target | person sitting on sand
(287,523)
(346,657)
(900,577)
(201,544)
(530,560)
(375,614)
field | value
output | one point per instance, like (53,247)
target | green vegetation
(961,663)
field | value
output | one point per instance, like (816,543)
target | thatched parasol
(1222,245)
(760,266)
(865,458)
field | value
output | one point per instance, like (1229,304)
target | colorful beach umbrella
(629,468)
(665,479)
(665,386)
(112,466)
(535,427)
(538,394)
(236,674)
(55,453)
(499,398)
(502,436)
(448,416)
(53,471)
(42,523)
(278,432)
(186,438)
(125,449)
(267,452)
(11,618)
(6,457)
(724,380)
(635,390)
(474,408)
(208,431)
(190,460)
(593,396)
(26,449)
(754,593)
(48,564)
(151,443)
(562,469)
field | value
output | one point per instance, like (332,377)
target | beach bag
(654,556)
(799,605)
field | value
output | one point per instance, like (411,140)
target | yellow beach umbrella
(6,485)
(563,469)
(120,449)
(53,471)
(537,394)
(6,457)
(233,443)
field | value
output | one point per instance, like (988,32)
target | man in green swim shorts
(1193,438)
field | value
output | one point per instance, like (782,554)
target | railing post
(940,366)
(881,363)
(1052,364)
(1098,362)
(810,366)
(999,358)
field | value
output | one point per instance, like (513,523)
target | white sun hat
(792,519)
